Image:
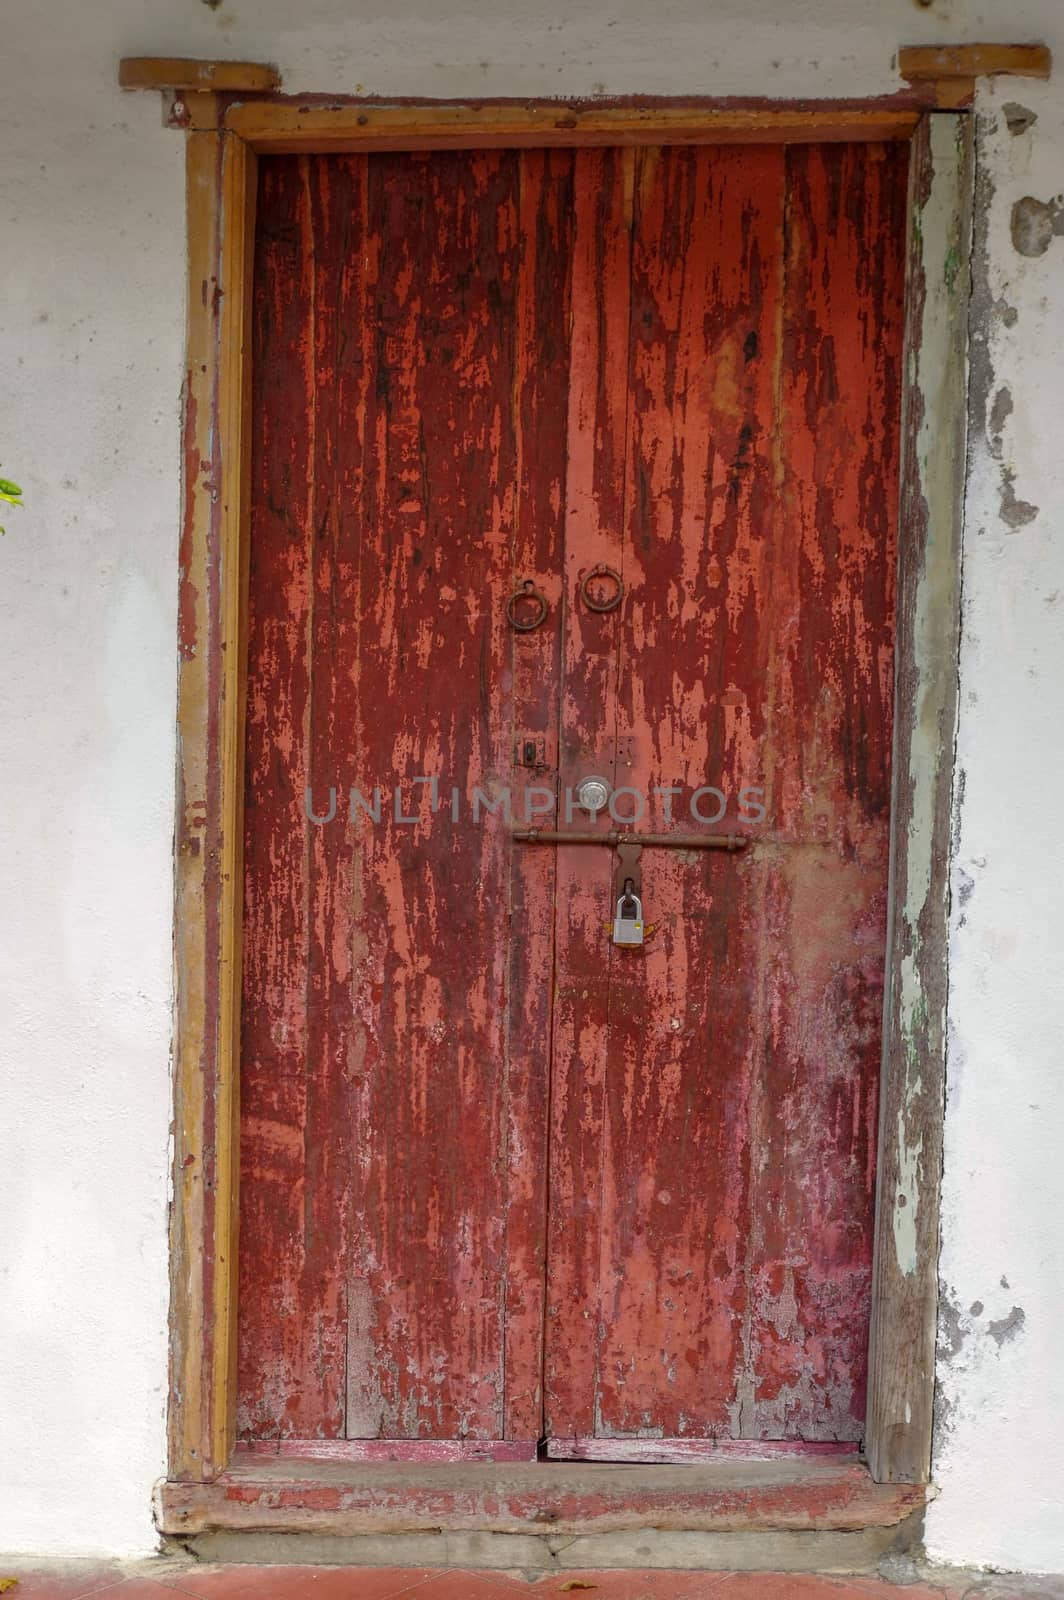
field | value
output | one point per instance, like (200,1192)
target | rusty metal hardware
(628,927)
(597,601)
(530,751)
(527,592)
(653,841)
(629,854)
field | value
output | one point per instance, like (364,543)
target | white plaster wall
(91,329)
(1000,1455)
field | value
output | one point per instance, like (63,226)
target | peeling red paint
(551,1497)
(498,1177)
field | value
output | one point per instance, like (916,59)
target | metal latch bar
(614,838)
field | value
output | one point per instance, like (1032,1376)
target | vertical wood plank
(411,463)
(905,1291)
(192,1220)
(594,521)
(822,913)
(540,397)
(276,1350)
(707,237)
(220,221)
(336,203)
(235,423)
(713,1156)
(430,1181)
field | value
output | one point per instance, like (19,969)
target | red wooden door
(500,1178)
(714,1099)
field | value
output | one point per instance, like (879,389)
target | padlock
(628,921)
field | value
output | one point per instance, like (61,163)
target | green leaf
(7,488)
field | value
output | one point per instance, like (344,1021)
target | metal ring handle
(527,591)
(611,601)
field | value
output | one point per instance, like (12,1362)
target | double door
(570,468)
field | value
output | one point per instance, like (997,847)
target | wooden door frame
(229,120)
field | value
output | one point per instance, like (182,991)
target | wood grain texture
(338,1498)
(821,899)
(902,1357)
(594,524)
(713,1142)
(291,126)
(693,1451)
(423,1452)
(541,309)
(918,63)
(182,73)
(192,1217)
(238,194)
(472,370)
(208,865)
(385,1132)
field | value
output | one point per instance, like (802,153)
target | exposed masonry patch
(1006,1328)
(984,310)
(1015,513)
(960,781)
(961,1341)
(951,1337)
(1000,412)
(951,1334)
(965,890)
(955,1324)
(984,314)
(1035,223)
(1018,118)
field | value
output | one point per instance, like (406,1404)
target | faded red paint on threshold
(500,1179)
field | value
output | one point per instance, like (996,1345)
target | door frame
(229,119)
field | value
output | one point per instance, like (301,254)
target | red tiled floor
(579,1585)
(135,1588)
(804,1586)
(61,1580)
(299,1583)
(170,1580)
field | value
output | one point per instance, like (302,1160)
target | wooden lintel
(934,63)
(184,76)
(277,126)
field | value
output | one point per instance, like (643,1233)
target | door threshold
(676,1452)
(349,1500)
(440,1452)
(430,1452)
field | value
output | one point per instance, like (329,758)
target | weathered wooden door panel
(658,1183)
(467,1117)
(714,1139)
(393,1153)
